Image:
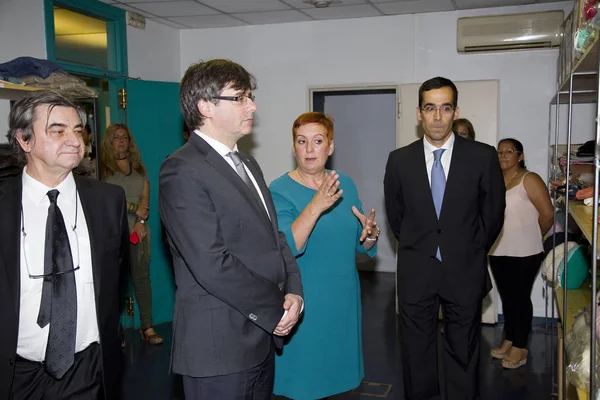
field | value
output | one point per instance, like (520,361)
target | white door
(478,102)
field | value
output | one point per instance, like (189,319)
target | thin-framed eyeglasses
(52,274)
(507,153)
(242,98)
(121,138)
(444,109)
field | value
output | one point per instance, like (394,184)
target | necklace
(511,178)
(305,182)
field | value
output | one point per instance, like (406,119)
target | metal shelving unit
(580,87)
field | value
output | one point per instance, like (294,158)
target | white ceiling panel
(243,6)
(209,21)
(184,14)
(415,6)
(300,4)
(357,11)
(273,17)
(134,9)
(142,1)
(170,23)
(466,4)
(176,8)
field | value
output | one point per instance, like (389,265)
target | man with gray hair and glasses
(63,244)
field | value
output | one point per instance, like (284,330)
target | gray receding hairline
(24,112)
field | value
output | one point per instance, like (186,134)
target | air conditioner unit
(509,32)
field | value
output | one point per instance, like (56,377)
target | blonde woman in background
(121,164)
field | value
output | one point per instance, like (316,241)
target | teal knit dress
(323,355)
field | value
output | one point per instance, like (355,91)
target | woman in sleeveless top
(517,253)
(122,165)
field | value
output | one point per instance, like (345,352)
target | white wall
(153,53)
(288,58)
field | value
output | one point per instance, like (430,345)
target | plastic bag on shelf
(584,37)
(577,346)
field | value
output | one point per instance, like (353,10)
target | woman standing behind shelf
(517,254)
(122,165)
(321,215)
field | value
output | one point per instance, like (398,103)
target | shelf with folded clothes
(12,91)
(583,216)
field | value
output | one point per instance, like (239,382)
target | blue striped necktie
(438,186)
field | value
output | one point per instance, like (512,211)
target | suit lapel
(264,190)
(10,246)
(219,164)
(95,224)
(457,163)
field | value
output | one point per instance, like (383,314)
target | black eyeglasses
(242,99)
(508,153)
(24,247)
(444,109)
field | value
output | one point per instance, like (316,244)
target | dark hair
(467,124)
(205,81)
(518,146)
(437,83)
(88,128)
(24,112)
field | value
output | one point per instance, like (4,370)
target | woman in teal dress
(321,215)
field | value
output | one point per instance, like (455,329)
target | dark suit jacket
(232,265)
(471,218)
(105,215)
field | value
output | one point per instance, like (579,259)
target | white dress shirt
(446,155)
(32,339)
(223,150)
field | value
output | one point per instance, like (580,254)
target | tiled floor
(147,367)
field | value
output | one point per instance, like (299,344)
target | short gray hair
(23,113)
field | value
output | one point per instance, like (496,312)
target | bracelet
(141,221)
(132,208)
(370,239)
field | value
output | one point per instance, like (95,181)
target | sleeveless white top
(521,235)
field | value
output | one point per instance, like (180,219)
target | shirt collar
(37,191)
(219,147)
(429,148)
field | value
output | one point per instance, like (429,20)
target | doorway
(365,132)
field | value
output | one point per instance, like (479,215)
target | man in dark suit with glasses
(238,285)
(63,244)
(445,199)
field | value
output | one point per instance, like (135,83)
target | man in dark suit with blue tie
(445,199)
(238,285)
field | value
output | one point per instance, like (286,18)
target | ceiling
(198,14)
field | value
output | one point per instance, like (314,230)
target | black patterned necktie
(239,167)
(59,294)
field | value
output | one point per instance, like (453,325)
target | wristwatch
(142,221)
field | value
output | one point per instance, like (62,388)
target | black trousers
(82,382)
(514,279)
(252,384)
(419,340)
